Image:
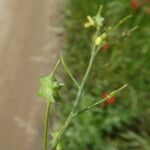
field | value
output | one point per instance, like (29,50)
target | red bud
(105,47)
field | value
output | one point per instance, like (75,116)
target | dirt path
(23,56)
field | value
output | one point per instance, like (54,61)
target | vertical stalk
(57,138)
(85,77)
(46,126)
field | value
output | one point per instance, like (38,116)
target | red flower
(109,101)
(105,47)
(135,4)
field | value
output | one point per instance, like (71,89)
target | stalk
(61,132)
(46,126)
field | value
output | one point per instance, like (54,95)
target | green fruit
(49,88)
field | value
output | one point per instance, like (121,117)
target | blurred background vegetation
(123,124)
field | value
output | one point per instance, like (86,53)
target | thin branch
(57,138)
(55,67)
(122,21)
(46,126)
(113,93)
(133,29)
(100,10)
(69,73)
(98,49)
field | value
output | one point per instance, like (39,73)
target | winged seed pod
(49,88)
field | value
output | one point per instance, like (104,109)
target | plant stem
(113,93)
(55,67)
(69,73)
(61,132)
(122,21)
(85,78)
(46,126)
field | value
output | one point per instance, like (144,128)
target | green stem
(85,78)
(55,67)
(69,73)
(57,138)
(122,21)
(46,126)
(113,93)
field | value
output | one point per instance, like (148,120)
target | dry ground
(24,56)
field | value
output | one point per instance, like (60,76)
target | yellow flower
(90,22)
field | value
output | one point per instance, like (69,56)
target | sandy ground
(26,28)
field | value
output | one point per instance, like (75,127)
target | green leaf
(49,88)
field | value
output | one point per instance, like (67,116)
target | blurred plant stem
(113,93)
(46,126)
(69,73)
(57,138)
(73,111)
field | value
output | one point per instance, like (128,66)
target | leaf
(49,88)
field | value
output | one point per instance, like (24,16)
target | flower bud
(104,36)
(90,22)
(98,41)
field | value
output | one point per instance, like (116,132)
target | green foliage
(125,61)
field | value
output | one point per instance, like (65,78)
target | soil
(29,45)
